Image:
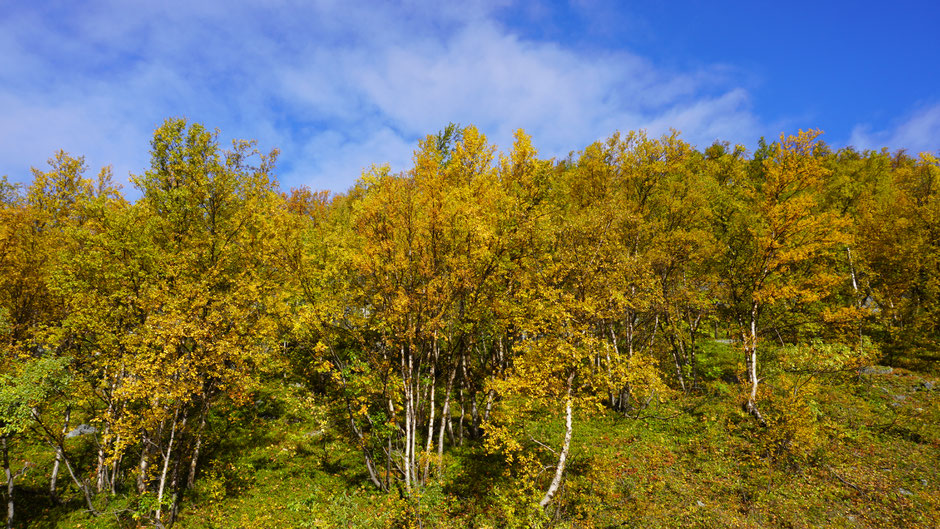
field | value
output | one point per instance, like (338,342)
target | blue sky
(338,86)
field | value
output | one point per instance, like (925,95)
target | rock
(927,385)
(899,398)
(905,492)
(699,503)
(876,370)
(923,482)
(82,429)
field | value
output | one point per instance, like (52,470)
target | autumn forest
(644,333)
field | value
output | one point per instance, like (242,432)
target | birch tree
(776,240)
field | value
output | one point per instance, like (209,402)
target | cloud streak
(336,88)
(918,133)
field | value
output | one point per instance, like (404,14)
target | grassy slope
(864,452)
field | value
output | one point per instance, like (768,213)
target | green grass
(871,459)
(852,452)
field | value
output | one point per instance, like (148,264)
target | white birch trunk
(432,393)
(116,468)
(409,434)
(142,467)
(566,444)
(166,466)
(58,458)
(102,471)
(9,476)
(751,352)
(445,420)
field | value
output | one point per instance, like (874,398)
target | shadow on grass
(474,480)
(34,508)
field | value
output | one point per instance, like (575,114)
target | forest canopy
(448,306)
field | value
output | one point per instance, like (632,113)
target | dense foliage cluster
(446,305)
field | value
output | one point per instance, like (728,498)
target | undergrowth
(846,450)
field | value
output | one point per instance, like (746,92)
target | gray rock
(928,385)
(876,370)
(905,492)
(82,429)
(699,503)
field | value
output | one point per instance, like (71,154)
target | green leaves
(28,387)
(453,301)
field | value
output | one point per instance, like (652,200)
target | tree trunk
(490,399)
(613,340)
(629,329)
(58,459)
(474,416)
(191,478)
(9,476)
(854,281)
(750,350)
(116,469)
(406,366)
(566,444)
(57,444)
(82,486)
(175,485)
(678,353)
(858,298)
(370,466)
(101,482)
(693,361)
(432,393)
(142,467)
(463,412)
(166,466)
(445,420)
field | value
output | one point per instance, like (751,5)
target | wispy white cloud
(336,86)
(330,153)
(919,132)
(707,119)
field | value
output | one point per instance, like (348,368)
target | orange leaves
(778,234)
(167,299)
(424,238)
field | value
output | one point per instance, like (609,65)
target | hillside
(641,334)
